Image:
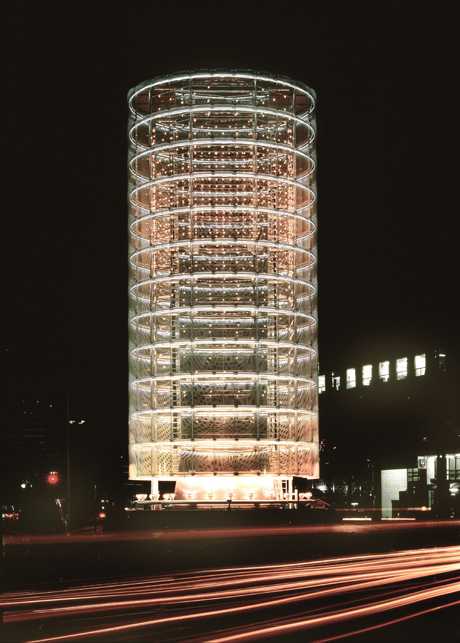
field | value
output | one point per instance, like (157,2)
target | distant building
(34,429)
(385,371)
(380,415)
(33,435)
(432,485)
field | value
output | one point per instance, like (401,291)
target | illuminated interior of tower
(222,291)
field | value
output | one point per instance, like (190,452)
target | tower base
(232,487)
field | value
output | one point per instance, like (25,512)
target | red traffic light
(52,478)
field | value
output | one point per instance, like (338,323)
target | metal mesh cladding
(222,292)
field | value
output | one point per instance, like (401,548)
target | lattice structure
(222,223)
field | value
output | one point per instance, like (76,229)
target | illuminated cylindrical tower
(222,258)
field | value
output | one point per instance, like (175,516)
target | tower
(222,292)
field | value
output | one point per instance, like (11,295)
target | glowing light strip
(225,209)
(203,287)
(221,445)
(229,308)
(240,309)
(157,153)
(180,311)
(224,109)
(253,324)
(236,176)
(232,345)
(166,80)
(213,142)
(306,115)
(226,74)
(221,377)
(220,136)
(251,247)
(234,274)
(249,377)
(231,210)
(204,413)
(219,174)
(142,177)
(212,409)
(396,519)
(138,207)
(216,243)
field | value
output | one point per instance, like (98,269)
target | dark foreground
(363,581)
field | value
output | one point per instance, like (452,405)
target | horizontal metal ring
(166,80)
(202,378)
(234,210)
(172,311)
(232,111)
(219,342)
(207,142)
(202,410)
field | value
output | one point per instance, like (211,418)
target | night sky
(386,78)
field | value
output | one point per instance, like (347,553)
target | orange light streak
(303,582)
(393,622)
(366,571)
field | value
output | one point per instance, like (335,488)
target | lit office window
(367,374)
(321,383)
(384,371)
(442,361)
(401,368)
(420,364)
(351,378)
(453,468)
(335,381)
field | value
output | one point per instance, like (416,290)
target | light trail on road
(242,603)
(352,525)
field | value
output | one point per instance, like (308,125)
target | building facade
(390,429)
(430,485)
(222,291)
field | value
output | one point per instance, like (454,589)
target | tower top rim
(223,73)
